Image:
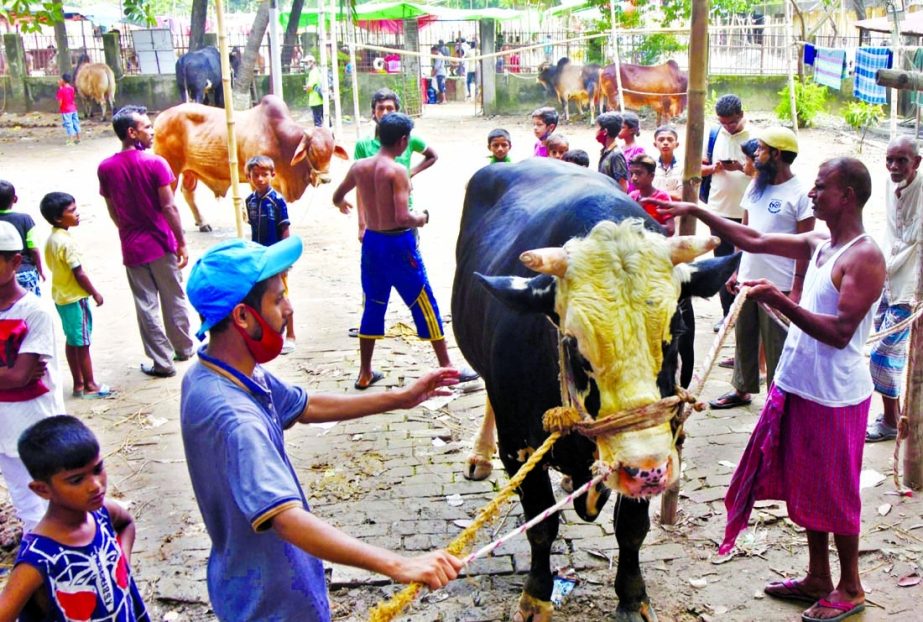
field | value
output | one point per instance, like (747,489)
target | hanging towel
(830,67)
(809,52)
(868,61)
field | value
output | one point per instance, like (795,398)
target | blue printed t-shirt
(91,582)
(268,215)
(232,435)
(367,147)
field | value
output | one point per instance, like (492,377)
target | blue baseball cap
(226,273)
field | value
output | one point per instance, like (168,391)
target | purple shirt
(540,151)
(131,180)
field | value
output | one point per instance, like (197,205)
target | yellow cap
(780,138)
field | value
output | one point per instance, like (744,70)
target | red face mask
(266,347)
(601,137)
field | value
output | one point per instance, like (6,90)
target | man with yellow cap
(775,202)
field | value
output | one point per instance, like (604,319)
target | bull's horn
(685,248)
(552,260)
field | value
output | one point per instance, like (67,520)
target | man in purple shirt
(138,193)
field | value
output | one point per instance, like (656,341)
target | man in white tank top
(807,446)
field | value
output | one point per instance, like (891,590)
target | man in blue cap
(267,546)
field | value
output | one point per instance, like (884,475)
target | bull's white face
(615,303)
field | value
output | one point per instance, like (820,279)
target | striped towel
(868,61)
(830,67)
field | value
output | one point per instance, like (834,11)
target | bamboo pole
(789,43)
(322,51)
(898,63)
(692,172)
(237,200)
(353,75)
(335,70)
(615,55)
(913,399)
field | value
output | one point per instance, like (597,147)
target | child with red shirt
(641,172)
(67,104)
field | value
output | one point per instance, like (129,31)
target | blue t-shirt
(91,582)
(232,434)
(268,216)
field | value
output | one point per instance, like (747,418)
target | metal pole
(335,68)
(229,115)
(789,43)
(322,45)
(275,50)
(615,55)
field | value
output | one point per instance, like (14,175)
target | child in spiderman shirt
(75,564)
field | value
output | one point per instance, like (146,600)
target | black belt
(391,231)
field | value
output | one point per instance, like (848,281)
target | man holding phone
(728,181)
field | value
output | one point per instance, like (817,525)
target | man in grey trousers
(138,193)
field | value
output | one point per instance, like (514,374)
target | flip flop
(376,376)
(353,332)
(729,400)
(77,394)
(466,374)
(880,431)
(848,609)
(104,392)
(726,363)
(794,591)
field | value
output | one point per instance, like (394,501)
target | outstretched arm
(322,540)
(783,244)
(860,285)
(341,407)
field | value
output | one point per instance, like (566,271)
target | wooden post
(899,79)
(692,171)
(791,72)
(229,115)
(913,399)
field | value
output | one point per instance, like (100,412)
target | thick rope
(386,610)
(784,322)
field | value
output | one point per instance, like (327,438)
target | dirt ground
(391,479)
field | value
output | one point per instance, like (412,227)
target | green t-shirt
(367,147)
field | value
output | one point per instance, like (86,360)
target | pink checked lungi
(807,455)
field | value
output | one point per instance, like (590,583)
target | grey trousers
(158,286)
(753,327)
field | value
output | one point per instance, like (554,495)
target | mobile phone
(726,162)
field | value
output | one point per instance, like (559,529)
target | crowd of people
(806,448)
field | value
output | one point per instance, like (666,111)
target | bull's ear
(535,295)
(709,276)
(301,152)
(339,152)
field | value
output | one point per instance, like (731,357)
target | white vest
(814,370)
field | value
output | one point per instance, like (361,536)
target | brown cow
(567,81)
(662,87)
(193,140)
(95,82)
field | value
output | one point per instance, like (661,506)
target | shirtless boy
(390,256)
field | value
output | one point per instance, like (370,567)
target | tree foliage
(31,16)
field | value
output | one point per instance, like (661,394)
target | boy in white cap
(267,545)
(29,383)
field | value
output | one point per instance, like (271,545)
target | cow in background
(662,87)
(193,139)
(198,77)
(567,81)
(95,82)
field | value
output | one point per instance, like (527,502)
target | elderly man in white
(902,254)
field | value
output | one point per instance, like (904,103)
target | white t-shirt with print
(15,417)
(728,187)
(778,210)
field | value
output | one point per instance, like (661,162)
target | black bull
(504,332)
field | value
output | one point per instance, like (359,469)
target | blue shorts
(393,260)
(71,123)
(78,322)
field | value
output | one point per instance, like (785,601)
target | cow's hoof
(479,468)
(530,609)
(644,614)
(205,228)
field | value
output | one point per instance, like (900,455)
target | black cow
(198,76)
(501,314)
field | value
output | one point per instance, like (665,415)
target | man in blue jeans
(439,72)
